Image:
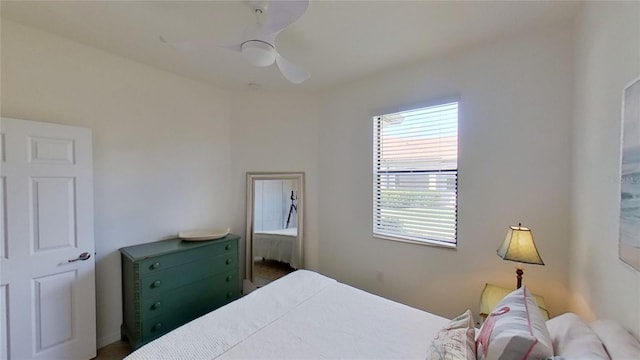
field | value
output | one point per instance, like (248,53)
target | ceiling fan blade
(281,14)
(290,71)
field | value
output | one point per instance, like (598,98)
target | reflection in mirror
(274,225)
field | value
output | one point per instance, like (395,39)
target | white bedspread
(303,315)
(277,245)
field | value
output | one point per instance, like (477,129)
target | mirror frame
(252,177)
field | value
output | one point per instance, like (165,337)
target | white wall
(276,132)
(607,59)
(161,144)
(172,154)
(514,161)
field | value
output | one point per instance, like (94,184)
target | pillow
(618,342)
(514,330)
(455,341)
(574,339)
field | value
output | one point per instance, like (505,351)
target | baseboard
(109,339)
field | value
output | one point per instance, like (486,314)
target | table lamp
(518,246)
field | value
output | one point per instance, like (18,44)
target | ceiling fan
(258,45)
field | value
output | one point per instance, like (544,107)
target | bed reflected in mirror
(274,226)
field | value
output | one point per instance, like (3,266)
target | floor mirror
(275,206)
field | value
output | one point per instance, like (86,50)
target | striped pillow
(515,330)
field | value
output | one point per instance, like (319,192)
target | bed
(279,245)
(311,316)
(305,315)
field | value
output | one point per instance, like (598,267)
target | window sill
(417,242)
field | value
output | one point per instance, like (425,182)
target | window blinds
(416,174)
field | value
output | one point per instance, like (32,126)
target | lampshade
(519,246)
(258,53)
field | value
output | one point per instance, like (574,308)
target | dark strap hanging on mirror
(292,208)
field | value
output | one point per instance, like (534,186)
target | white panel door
(47,288)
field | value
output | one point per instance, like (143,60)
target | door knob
(84,256)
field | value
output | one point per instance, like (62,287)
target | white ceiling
(336,41)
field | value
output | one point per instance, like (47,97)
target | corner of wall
(606,59)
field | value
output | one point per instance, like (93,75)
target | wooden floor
(116,351)
(265,271)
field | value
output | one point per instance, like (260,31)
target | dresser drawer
(162,262)
(169,279)
(153,327)
(221,286)
(159,326)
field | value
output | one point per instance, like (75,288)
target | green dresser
(168,283)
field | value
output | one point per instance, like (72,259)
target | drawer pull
(228,261)
(156,306)
(156,284)
(229,278)
(155,266)
(228,247)
(156,327)
(229,294)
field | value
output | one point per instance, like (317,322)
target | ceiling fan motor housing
(258,53)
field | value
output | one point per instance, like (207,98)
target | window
(415,165)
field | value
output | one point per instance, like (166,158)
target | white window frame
(415,223)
